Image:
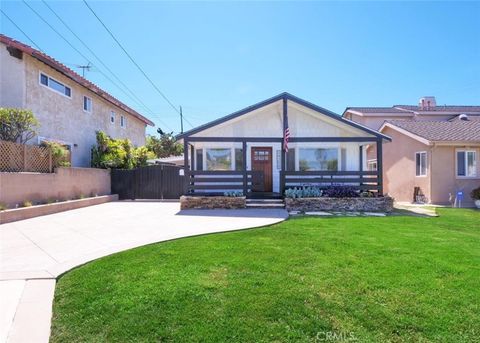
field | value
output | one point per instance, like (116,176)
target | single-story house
(279,143)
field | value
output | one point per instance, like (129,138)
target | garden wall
(65,183)
(211,202)
(380,204)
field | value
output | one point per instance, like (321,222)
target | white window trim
(114,115)
(371,161)
(426,166)
(123,121)
(54,90)
(475,176)
(83,104)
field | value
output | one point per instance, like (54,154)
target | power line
(100,61)
(80,53)
(134,62)
(18,27)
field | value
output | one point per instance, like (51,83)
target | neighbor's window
(239,159)
(318,159)
(112,117)
(87,104)
(219,159)
(123,121)
(372,165)
(467,163)
(421,163)
(57,86)
(199,159)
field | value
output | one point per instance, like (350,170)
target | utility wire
(79,52)
(99,59)
(134,62)
(18,27)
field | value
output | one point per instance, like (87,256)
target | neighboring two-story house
(435,150)
(70,108)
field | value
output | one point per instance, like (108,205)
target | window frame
(371,162)
(123,121)
(113,115)
(300,148)
(91,104)
(475,161)
(419,153)
(232,158)
(40,73)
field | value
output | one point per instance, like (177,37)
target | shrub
(367,194)
(233,194)
(3,206)
(59,153)
(17,125)
(475,194)
(304,192)
(27,203)
(339,191)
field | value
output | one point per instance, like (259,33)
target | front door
(262,169)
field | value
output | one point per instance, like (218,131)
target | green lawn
(398,279)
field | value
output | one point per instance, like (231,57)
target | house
(247,151)
(170,160)
(69,108)
(435,150)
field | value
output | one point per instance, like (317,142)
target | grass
(397,279)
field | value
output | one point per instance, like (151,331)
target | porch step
(265,203)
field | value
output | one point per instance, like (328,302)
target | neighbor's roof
(440,131)
(282,96)
(412,109)
(51,62)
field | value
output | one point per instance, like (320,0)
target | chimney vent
(427,103)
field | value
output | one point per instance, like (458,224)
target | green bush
(59,153)
(3,206)
(27,203)
(17,125)
(475,194)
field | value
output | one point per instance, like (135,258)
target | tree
(17,125)
(165,145)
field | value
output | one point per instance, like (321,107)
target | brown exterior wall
(65,183)
(444,179)
(399,167)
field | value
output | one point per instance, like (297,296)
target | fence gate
(152,182)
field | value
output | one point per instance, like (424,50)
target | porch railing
(358,180)
(217,182)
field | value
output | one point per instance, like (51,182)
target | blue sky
(214,58)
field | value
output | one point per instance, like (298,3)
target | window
(372,165)
(87,104)
(318,159)
(112,117)
(466,163)
(123,121)
(421,163)
(239,159)
(199,159)
(55,85)
(219,159)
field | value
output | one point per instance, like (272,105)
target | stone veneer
(381,204)
(211,202)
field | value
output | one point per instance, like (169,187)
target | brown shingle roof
(444,131)
(53,63)
(376,109)
(442,108)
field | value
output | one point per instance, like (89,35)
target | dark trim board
(285,97)
(280,139)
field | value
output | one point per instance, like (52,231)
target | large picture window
(466,163)
(318,159)
(219,159)
(421,163)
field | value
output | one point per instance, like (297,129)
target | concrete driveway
(34,252)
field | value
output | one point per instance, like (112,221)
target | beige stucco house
(434,152)
(70,108)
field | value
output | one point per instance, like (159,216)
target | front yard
(394,278)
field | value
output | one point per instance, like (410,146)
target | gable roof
(439,131)
(61,68)
(276,98)
(413,109)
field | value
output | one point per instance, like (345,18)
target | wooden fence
(28,158)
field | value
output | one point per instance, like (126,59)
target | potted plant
(475,194)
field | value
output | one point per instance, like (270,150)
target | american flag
(286,136)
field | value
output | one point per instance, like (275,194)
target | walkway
(34,252)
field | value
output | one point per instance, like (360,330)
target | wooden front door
(262,168)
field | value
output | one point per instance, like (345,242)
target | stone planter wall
(15,214)
(211,202)
(381,204)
